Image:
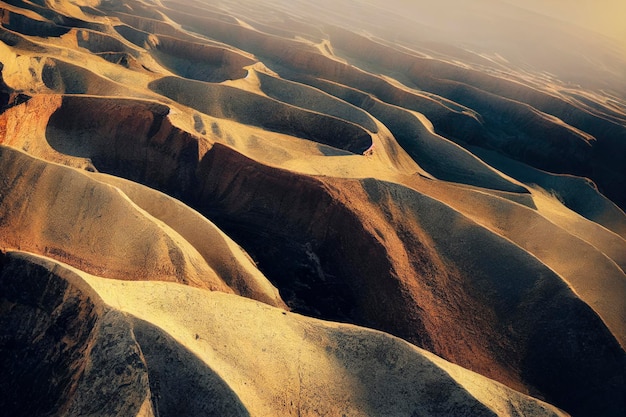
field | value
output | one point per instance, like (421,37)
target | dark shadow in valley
(128,138)
(181,384)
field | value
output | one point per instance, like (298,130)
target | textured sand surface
(310,208)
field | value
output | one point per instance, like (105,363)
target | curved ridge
(50,221)
(392,167)
(224,101)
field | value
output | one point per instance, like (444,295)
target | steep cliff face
(181,184)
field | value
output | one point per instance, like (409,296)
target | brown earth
(183,183)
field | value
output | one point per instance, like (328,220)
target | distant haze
(579,41)
(607,17)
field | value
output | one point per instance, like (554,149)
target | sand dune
(229,356)
(439,156)
(314,100)
(182,183)
(158,238)
(226,102)
(51,221)
(540,236)
(228,260)
(578,194)
(29,23)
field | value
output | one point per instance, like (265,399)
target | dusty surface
(195,352)
(189,180)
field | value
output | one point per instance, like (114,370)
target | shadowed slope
(578,194)
(189,59)
(181,383)
(136,141)
(78,220)
(437,155)
(228,260)
(232,103)
(62,77)
(434,281)
(392,167)
(63,352)
(114,363)
(314,100)
(334,370)
(62,213)
(572,254)
(529,295)
(30,23)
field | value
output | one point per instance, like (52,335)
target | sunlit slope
(73,217)
(180,351)
(386,167)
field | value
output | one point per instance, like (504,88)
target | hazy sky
(605,16)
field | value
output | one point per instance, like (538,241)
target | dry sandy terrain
(298,208)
